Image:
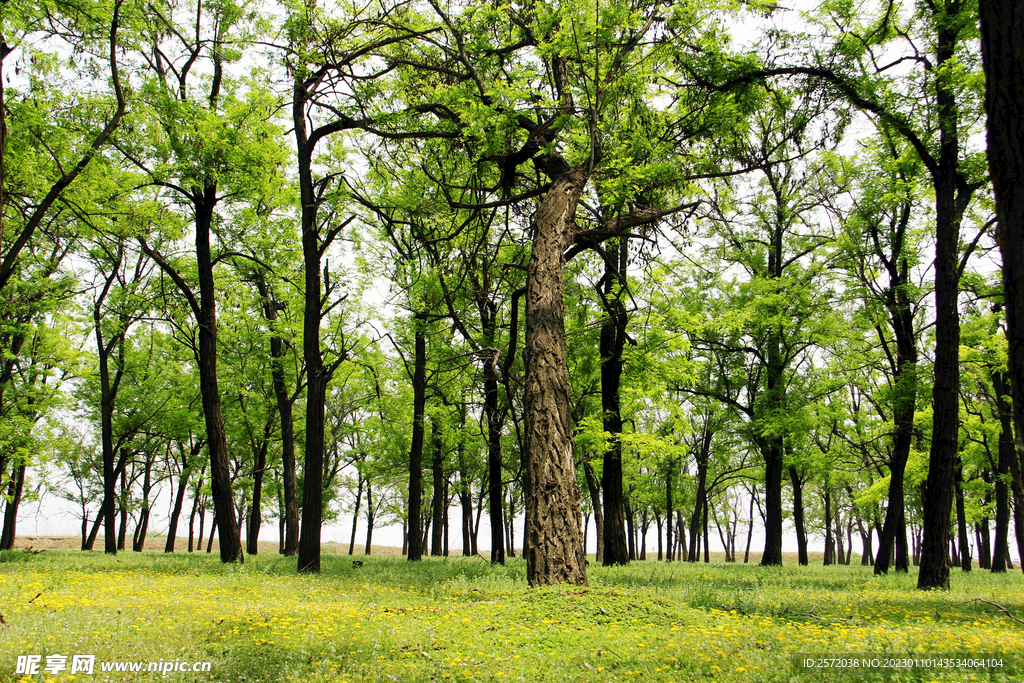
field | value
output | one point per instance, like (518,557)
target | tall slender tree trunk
(700,503)
(216,439)
(252,537)
(213,532)
(949,204)
(1012,463)
(894,530)
(122,529)
(466,499)
(439,508)
(107,397)
(681,554)
(179,501)
(830,546)
(669,509)
(419,390)
(139,538)
(355,514)
(284,410)
(704,522)
(798,514)
(494,417)
(553,542)
(594,489)
(1002,49)
(961,521)
(750,529)
(196,505)
(661,547)
(369,518)
(612,342)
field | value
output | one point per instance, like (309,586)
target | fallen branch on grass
(987,602)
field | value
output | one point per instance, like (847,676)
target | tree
(937,37)
(68,159)
(769,325)
(880,236)
(214,148)
(1002,48)
(322,52)
(571,117)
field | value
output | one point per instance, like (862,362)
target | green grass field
(460,619)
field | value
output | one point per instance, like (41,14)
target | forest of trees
(685,269)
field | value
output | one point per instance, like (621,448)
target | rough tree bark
(553,544)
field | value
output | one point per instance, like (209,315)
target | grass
(462,620)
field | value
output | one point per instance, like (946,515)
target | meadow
(460,619)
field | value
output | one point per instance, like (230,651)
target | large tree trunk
(316,396)
(1002,49)
(553,543)
(317,374)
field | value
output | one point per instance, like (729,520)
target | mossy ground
(460,619)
